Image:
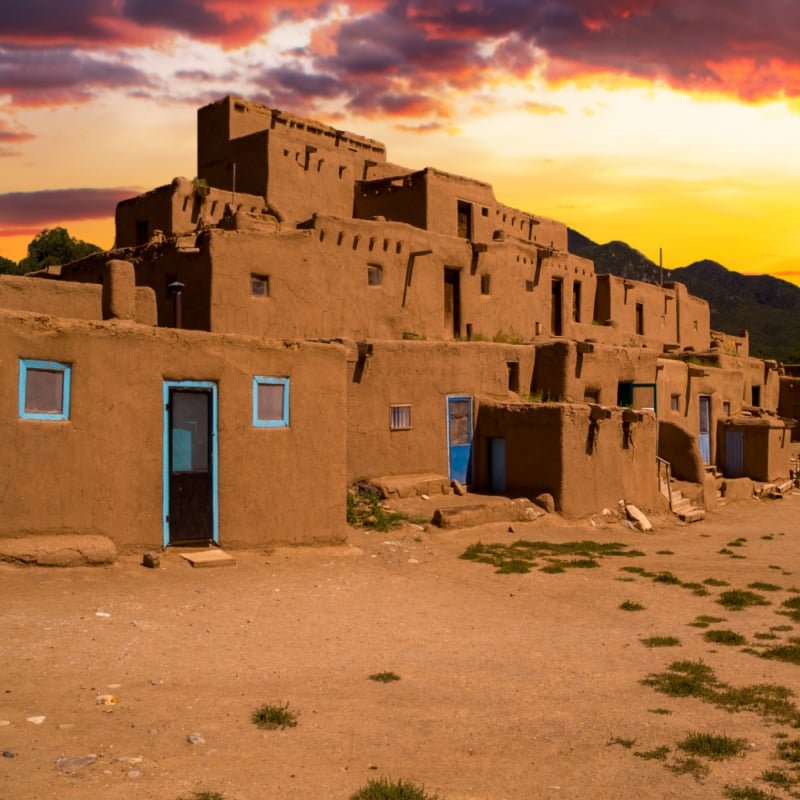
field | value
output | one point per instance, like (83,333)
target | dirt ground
(512,687)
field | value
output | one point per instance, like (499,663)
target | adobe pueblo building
(305,314)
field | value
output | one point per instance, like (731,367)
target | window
(640,319)
(513,375)
(399,418)
(576,301)
(270,402)
(486,282)
(44,389)
(374,275)
(259,285)
(756,395)
(142,231)
(674,402)
(464,219)
(529,286)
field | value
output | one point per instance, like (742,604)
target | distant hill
(767,307)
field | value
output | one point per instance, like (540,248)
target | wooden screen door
(190,454)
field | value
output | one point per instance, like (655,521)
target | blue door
(705,428)
(497,465)
(459,437)
(734,454)
(190,509)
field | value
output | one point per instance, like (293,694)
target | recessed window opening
(270,402)
(576,301)
(44,390)
(142,231)
(755,391)
(400,418)
(513,375)
(464,219)
(486,282)
(674,402)
(640,319)
(259,285)
(529,286)
(484,211)
(374,275)
(591,395)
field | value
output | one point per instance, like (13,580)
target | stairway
(684,508)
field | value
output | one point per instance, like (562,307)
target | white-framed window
(44,389)
(400,418)
(270,402)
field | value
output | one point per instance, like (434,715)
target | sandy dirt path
(512,686)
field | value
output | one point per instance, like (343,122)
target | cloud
(23,211)
(33,76)
(543,109)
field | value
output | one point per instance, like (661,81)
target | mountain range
(768,307)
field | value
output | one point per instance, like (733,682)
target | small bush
(383,789)
(747,793)
(737,599)
(661,641)
(778,778)
(724,637)
(272,717)
(689,766)
(384,677)
(710,745)
(626,743)
(703,621)
(764,587)
(792,606)
(656,754)
(789,751)
(631,605)
(715,582)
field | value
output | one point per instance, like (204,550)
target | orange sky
(664,124)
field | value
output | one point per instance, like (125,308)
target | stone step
(694,515)
(682,505)
(520,510)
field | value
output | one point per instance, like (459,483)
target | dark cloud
(52,206)
(33,76)
(56,21)
(291,80)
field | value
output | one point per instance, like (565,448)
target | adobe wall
(299,165)
(64,299)
(101,471)
(157,265)
(789,401)
(422,375)
(177,209)
(766,444)
(589,372)
(586,457)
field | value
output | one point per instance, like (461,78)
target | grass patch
(631,605)
(661,641)
(737,542)
(724,637)
(626,743)
(662,711)
(656,754)
(713,746)
(271,717)
(522,555)
(207,796)
(762,586)
(778,778)
(747,793)
(781,628)
(668,578)
(715,582)
(689,766)
(765,636)
(384,677)
(366,511)
(665,553)
(790,653)
(738,599)
(791,608)
(725,552)
(697,679)
(384,789)
(703,621)
(789,751)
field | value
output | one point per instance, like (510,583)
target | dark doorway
(556,312)
(189,464)
(452,303)
(576,301)
(464,219)
(640,319)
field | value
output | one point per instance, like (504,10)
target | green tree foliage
(7,266)
(53,246)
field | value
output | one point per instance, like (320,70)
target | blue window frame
(44,389)
(270,402)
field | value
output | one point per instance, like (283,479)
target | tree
(54,246)
(7,266)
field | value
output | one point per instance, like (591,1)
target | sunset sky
(664,123)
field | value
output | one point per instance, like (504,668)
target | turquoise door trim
(704,402)
(212,387)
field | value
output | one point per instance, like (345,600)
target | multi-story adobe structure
(305,314)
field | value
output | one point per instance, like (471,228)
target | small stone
(65,726)
(72,764)
(638,518)
(102,614)
(106,700)
(9,754)
(134,773)
(425,497)
(38,720)
(458,488)
(151,560)
(195,738)
(413,561)
(545,500)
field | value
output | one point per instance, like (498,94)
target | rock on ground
(65,550)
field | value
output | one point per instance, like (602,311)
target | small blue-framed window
(270,402)
(44,389)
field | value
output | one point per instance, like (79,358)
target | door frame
(212,387)
(704,399)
